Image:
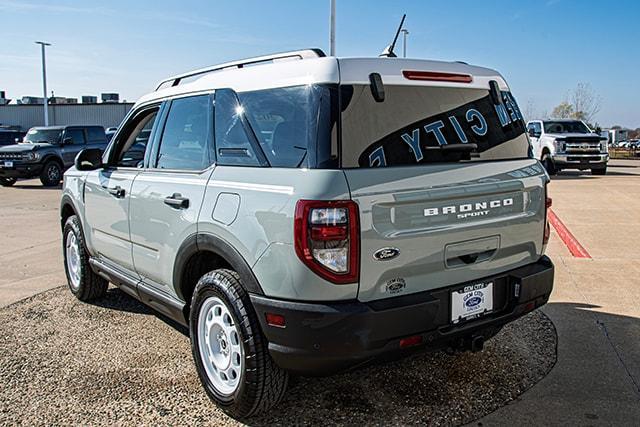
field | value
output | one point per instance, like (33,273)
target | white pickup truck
(568,144)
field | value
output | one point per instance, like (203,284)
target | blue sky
(543,48)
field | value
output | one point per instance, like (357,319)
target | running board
(157,300)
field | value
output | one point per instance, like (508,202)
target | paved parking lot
(595,305)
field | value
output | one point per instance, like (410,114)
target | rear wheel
(229,350)
(51,174)
(600,171)
(83,282)
(548,164)
(7,182)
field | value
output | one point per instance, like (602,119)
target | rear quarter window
(416,125)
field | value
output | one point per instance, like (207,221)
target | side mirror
(67,141)
(89,159)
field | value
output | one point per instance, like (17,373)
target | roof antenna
(388,52)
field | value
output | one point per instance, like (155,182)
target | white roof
(318,70)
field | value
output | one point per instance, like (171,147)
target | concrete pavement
(595,307)
(30,254)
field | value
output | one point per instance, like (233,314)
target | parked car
(47,152)
(10,137)
(313,214)
(568,144)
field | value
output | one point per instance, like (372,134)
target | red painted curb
(576,249)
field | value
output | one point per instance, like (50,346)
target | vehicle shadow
(36,187)
(116,299)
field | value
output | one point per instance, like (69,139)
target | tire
(83,282)
(51,174)
(548,164)
(259,384)
(7,182)
(600,171)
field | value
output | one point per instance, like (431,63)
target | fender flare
(208,242)
(67,200)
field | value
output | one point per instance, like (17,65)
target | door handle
(117,192)
(177,201)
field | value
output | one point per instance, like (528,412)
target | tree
(582,103)
(563,111)
(585,102)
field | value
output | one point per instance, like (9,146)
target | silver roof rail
(295,54)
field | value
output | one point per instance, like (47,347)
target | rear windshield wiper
(466,147)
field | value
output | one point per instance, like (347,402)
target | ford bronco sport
(46,152)
(308,214)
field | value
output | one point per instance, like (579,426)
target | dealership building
(29,111)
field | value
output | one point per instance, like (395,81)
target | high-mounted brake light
(437,76)
(327,239)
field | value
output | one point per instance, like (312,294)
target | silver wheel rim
(220,347)
(73,260)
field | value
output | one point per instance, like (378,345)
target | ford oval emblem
(473,301)
(385,254)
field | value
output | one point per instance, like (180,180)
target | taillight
(547,206)
(327,238)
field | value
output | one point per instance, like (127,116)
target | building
(110,97)
(89,99)
(27,115)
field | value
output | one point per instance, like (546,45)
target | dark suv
(9,136)
(46,152)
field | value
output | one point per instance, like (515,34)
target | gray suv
(46,152)
(308,214)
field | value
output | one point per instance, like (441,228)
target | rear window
(294,126)
(417,125)
(96,134)
(566,126)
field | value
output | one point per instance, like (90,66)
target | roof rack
(295,54)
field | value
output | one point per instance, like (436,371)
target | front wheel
(229,350)
(83,282)
(51,174)
(7,182)
(548,164)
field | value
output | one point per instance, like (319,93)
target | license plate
(472,301)
(8,164)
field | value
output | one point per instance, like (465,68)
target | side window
(96,134)
(133,140)
(185,140)
(233,147)
(537,127)
(76,135)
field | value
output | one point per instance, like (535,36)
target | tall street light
(44,83)
(332,29)
(405,33)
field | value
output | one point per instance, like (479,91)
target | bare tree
(585,102)
(530,112)
(582,103)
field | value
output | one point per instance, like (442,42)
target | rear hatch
(446,188)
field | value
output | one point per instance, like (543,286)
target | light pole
(405,33)
(44,83)
(332,31)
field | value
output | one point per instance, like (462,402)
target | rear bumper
(21,170)
(321,339)
(581,160)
